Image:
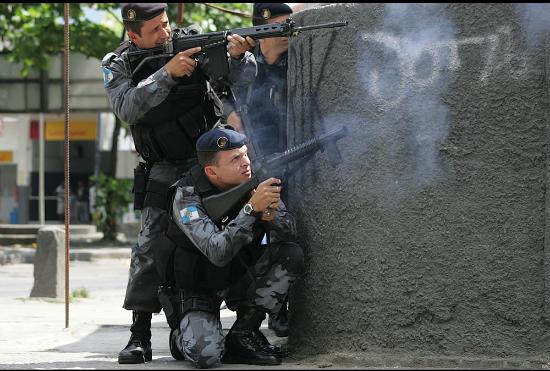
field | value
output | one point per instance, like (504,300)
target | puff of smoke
(535,21)
(406,74)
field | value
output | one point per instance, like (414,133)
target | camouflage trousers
(201,339)
(143,281)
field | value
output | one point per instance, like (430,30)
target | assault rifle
(219,205)
(214,44)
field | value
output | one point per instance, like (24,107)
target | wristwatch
(248,209)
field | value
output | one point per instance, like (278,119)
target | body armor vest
(192,270)
(267,106)
(169,131)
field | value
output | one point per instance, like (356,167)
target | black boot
(138,349)
(241,343)
(279,322)
(266,345)
(260,338)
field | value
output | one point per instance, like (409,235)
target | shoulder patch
(107,76)
(189,213)
(187,190)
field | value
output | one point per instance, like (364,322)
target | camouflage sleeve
(218,245)
(242,72)
(128,101)
(283,226)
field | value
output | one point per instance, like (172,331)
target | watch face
(248,209)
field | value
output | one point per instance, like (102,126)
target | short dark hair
(207,158)
(134,26)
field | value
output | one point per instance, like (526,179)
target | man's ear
(210,171)
(132,36)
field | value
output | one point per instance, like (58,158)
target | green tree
(31,32)
(112,199)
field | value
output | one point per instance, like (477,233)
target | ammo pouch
(156,194)
(141,173)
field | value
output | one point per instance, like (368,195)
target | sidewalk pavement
(33,333)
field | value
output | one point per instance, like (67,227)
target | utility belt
(149,192)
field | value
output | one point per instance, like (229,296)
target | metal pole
(66,150)
(41,202)
(97,165)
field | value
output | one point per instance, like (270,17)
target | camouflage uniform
(130,102)
(201,339)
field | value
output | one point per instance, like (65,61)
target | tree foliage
(112,199)
(31,32)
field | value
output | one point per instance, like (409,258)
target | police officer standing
(266,98)
(266,104)
(225,260)
(168,105)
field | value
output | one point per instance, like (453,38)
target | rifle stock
(218,206)
(214,44)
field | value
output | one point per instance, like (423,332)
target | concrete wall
(430,237)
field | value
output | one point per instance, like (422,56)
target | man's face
(154,32)
(232,168)
(279,44)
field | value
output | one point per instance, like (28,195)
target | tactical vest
(169,131)
(192,270)
(267,105)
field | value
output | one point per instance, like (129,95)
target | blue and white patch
(189,214)
(107,76)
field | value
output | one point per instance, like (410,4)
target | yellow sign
(6,156)
(78,130)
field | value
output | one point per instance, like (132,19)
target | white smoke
(535,20)
(406,71)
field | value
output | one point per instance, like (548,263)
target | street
(33,333)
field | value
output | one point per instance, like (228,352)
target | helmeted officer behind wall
(227,261)
(168,104)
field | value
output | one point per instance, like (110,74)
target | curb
(25,255)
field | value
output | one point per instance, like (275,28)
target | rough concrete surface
(428,241)
(49,263)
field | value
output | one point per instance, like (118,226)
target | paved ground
(33,333)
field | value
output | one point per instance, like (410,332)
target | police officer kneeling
(227,261)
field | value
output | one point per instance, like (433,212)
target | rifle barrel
(324,25)
(310,146)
